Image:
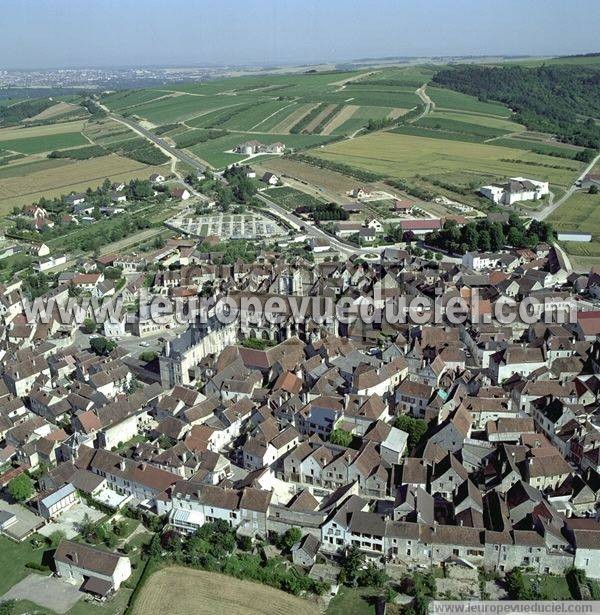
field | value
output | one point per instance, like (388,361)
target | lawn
(183,591)
(406,156)
(13,557)
(353,601)
(552,587)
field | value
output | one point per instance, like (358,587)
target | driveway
(48,592)
(69,521)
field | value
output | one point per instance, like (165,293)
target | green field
(214,151)
(47,143)
(481,120)
(290,198)
(448,99)
(129,98)
(581,212)
(405,156)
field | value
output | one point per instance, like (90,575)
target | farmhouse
(270,178)
(96,571)
(250,148)
(361,192)
(403,207)
(157,178)
(180,193)
(515,190)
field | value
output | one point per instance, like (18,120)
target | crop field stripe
(344,115)
(291,120)
(319,117)
(277,112)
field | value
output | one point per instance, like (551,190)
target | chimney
(142,466)
(75,557)
(122,464)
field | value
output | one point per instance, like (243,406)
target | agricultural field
(29,179)
(405,156)
(448,99)
(37,139)
(130,98)
(581,212)
(323,180)
(276,103)
(182,591)
(184,107)
(215,152)
(290,198)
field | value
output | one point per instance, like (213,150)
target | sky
(80,33)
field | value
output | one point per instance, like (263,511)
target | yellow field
(57,109)
(33,178)
(319,178)
(8,134)
(181,591)
(405,156)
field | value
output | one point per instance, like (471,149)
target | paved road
(315,231)
(553,205)
(183,156)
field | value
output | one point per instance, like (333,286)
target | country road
(429,104)
(553,205)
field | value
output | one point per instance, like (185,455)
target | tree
(86,526)
(515,237)
(415,428)
(352,562)
(341,437)
(594,189)
(21,488)
(289,538)
(89,326)
(102,346)
(516,587)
